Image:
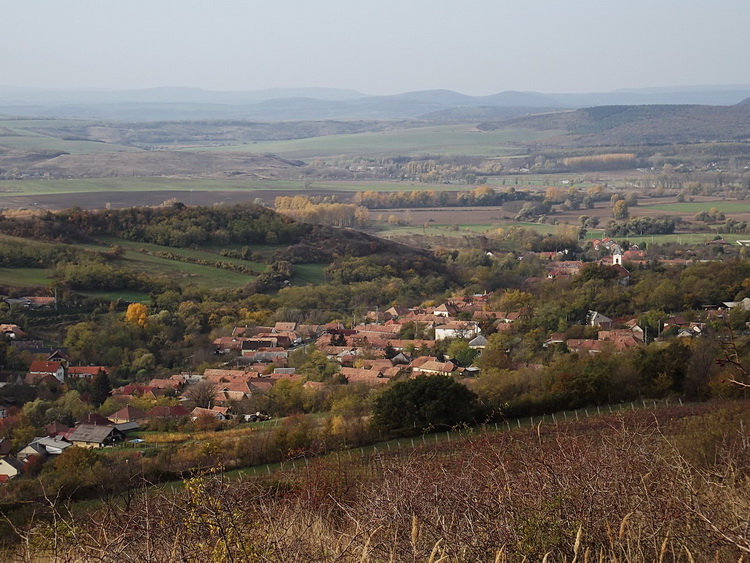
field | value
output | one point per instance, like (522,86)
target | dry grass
(613,489)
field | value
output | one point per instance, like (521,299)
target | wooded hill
(179,226)
(640,125)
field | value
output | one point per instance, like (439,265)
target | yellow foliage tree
(136,314)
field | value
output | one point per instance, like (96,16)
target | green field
(24,277)
(309,274)
(436,140)
(183,252)
(51,144)
(184,273)
(727,207)
(124,295)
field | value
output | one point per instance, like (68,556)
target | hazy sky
(377,47)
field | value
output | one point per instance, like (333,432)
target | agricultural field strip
(207,275)
(447,139)
(24,277)
(200,274)
(724,206)
(14,188)
(152,249)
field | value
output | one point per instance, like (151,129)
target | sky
(476,47)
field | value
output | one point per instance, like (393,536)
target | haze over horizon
(478,48)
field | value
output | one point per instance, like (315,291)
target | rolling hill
(641,125)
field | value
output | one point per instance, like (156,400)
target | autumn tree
(136,314)
(620,209)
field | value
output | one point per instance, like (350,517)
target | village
(393,344)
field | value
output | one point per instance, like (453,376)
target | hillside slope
(641,125)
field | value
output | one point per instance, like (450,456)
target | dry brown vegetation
(664,486)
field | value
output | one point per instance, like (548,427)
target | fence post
(518,420)
(496,427)
(632,407)
(532,421)
(679,399)
(599,412)
(576,411)
(508,424)
(565,416)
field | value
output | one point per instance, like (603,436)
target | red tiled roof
(86,370)
(40,366)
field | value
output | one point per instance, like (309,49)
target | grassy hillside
(445,140)
(640,125)
(663,485)
(227,247)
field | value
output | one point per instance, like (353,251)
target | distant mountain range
(319,103)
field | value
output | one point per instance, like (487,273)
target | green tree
(100,388)
(460,353)
(427,402)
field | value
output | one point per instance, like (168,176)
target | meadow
(445,140)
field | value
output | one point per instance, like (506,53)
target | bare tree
(202,394)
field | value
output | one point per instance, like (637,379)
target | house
(11,331)
(226,344)
(56,428)
(457,329)
(86,372)
(478,343)
(40,370)
(219,413)
(31,302)
(44,447)
(594,318)
(10,467)
(95,420)
(445,310)
(135,391)
(127,414)
(433,367)
(94,436)
(32,449)
(166,384)
(370,377)
(587,345)
(554,338)
(126,427)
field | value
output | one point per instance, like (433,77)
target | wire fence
(373,455)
